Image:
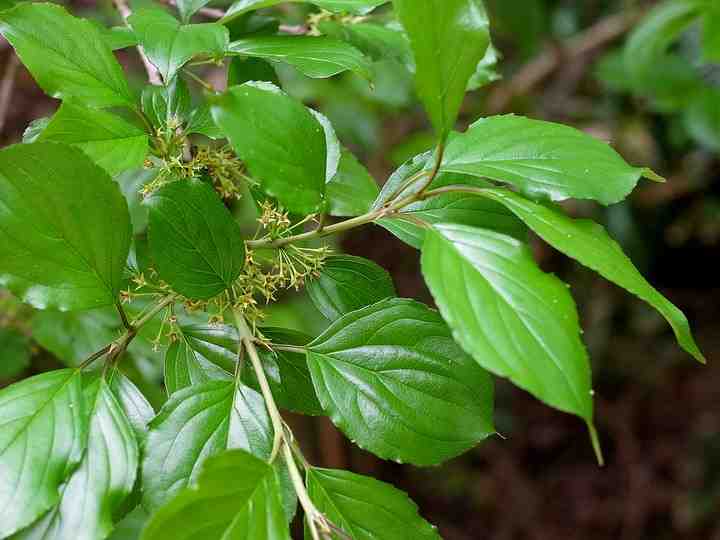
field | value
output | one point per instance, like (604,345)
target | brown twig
(6,87)
(152,72)
(553,56)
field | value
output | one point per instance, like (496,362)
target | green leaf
(169,44)
(651,39)
(185,366)
(542,160)
(281,142)
(360,7)
(348,283)
(236,496)
(287,373)
(332,145)
(131,184)
(702,118)
(378,41)
(201,122)
(242,70)
(365,508)
(411,222)
(486,71)
(47,407)
(188,8)
(97,489)
(316,57)
(589,243)
(72,337)
(111,142)
(515,320)
(449,38)
(195,242)
(73,255)
(67,56)
(118,37)
(15,353)
(137,408)
(198,422)
(711,33)
(393,380)
(167,105)
(352,190)
(34,129)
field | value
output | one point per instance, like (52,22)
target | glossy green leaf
(34,129)
(393,380)
(361,7)
(201,122)
(589,243)
(131,184)
(380,42)
(317,57)
(14,353)
(72,337)
(169,44)
(111,142)
(74,254)
(281,142)
(242,70)
(332,145)
(651,39)
(198,422)
(347,283)
(118,37)
(167,105)
(449,38)
(542,159)
(412,221)
(195,242)
(185,366)
(47,407)
(287,372)
(67,56)
(102,482)
(138,410)
(365,508)
(352,190)
(188,8)
(515,320)
(236,496)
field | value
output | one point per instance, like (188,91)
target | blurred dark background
(658,411)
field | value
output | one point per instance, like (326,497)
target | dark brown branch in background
(553,56)
(6,87)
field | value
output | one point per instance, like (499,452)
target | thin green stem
(281,441)
(117,347)
(123,316)
(248,341)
